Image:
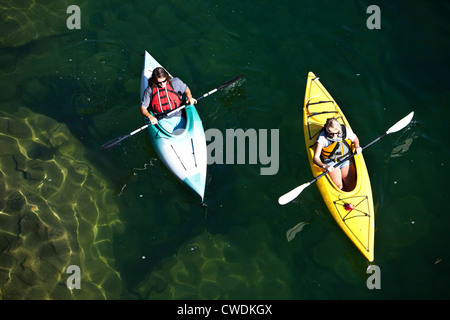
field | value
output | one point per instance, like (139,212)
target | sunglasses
(161,82)
(331,134)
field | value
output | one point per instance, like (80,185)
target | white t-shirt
(322,139)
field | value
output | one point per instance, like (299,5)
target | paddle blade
(401,124)
(230,82)
(226,84)
(291,195)
(114,142)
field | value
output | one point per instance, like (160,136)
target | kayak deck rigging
(360,211)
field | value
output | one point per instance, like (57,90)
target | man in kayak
(163,95)
(334,143)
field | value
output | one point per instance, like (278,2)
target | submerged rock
(218,267)
(56,210)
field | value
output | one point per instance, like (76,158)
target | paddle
(291,195)
(116,141)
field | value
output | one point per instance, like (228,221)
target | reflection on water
(405,140)
(55,211)
(290,234)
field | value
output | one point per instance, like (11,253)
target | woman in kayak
(334,143)
(163,95)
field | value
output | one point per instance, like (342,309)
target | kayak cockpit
(179,132)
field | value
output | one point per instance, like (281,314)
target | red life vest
(164,99)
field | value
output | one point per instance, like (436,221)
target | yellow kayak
(352,210)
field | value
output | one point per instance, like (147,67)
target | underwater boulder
(56,210)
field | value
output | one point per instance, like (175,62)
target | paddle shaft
(116,141)
(398,126)
(226,84)
(294,193)
(159,116)
(347,158)
(172,112)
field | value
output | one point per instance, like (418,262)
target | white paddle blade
(291,195)
(401,124)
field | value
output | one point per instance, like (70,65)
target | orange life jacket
(337,149)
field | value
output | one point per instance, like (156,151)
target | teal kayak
(184,152)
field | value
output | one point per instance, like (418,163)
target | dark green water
(135,232)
